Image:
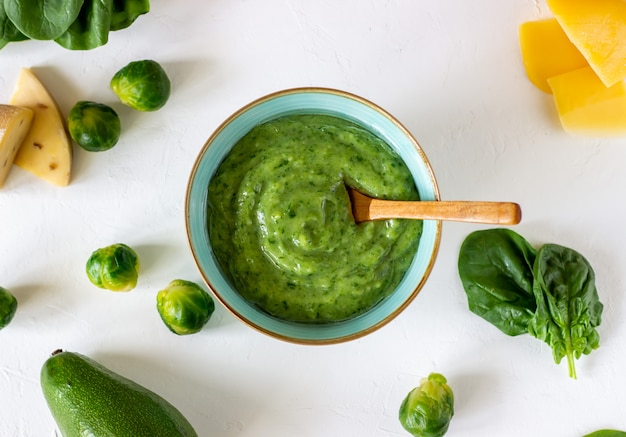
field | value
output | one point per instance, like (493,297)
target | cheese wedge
(586,106)
(547,51)
(598,29)
(47,150)
(15,123)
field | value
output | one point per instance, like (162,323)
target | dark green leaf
(568,307)
(8,31)
(42,19)
(125,12)
(495,267)
(91,27)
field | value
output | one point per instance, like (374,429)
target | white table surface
(451,72)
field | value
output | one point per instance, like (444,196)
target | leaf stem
(570,364)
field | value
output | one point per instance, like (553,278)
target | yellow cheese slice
(546,51)
(586,106)
(598,29)
(15,123)
(46,151)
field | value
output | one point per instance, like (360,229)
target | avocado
(86,398)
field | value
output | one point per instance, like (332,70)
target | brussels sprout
(428,409)
(115,268)
(184,307)
(142,85)
(94,126)
(8,306)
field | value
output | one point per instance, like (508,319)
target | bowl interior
(311,101)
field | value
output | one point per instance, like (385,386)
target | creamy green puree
(281,227)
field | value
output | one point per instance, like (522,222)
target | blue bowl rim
(332,337)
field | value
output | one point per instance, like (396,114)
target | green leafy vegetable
(115,268)
(73,24)
(94,126)
(42,19)
(8,31)
(606,433)
(184,307)
(549,293)
(91,27)
(8,307)
(428,409)
(142,85)
(495,267)
(125,12)
(568,307)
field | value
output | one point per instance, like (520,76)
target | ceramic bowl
(311,101)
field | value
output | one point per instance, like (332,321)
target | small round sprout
(94,126)
(142,85)
(115,268)
(8,307)
(428,409)
(184,307)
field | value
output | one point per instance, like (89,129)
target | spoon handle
(504,213)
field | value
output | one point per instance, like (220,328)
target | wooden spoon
(366,208)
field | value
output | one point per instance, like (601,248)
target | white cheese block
(47,149)
(15,122)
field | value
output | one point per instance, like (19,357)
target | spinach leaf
(125,12)
(42,19)
(549,293)
(495,266)
(606,433)
(91,27)
(73,24)
(8,31)
(5,27)
(568,307)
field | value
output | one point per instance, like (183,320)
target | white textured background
(451,72)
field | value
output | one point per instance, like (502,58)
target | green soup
(280,223)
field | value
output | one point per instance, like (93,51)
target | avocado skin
(87,399)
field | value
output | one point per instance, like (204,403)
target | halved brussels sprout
(184,307)
(8,307)
(428,409)
(94,126)
(142,85)
(115,268)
